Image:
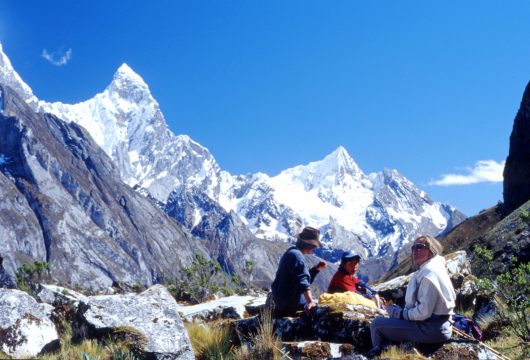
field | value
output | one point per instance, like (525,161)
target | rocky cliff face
(63,202)
(226,237)
(517,168)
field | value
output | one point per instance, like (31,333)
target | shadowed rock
(517,169)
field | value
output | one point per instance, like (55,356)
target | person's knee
(378,322)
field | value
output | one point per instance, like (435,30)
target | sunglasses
(419,247)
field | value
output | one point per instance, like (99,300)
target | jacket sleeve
(303,278)
(425,302)
(313,272)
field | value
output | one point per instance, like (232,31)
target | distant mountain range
(377,215)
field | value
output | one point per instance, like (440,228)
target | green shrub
(525,216)
(29,275)
(197,282)
(249,267)
(511,291)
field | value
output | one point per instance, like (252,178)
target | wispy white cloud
(483,171)
(57,58)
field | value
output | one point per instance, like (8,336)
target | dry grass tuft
(400,353)
(210,341)
(265,345)
(509,345)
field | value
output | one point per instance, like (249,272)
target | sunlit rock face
(153,313)
(25,326)
(65,204)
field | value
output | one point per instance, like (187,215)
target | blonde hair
(434,245)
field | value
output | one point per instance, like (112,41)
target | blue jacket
(292,279)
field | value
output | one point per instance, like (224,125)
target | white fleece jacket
(430,291)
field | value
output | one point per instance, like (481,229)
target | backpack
(467,326)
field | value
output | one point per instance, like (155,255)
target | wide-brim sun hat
(310,236)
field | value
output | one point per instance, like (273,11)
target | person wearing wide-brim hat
(291,288)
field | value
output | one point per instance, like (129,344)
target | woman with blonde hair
(429,302)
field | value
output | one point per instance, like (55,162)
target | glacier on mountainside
(376,214)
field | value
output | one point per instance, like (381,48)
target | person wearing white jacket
(429,302)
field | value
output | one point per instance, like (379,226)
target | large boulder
(60,296)
(230,307)
(25,326)
(153,313)
(350,325)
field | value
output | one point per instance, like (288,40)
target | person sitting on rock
(345,279)
(291,288)
(429,302)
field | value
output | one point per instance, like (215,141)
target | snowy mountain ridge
(376,214)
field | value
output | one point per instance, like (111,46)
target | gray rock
(152,312)
(320,350)
(63,202)
(57,295)
(230,307)
(324,324)
(25,327)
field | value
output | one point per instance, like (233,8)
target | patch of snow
(3,159)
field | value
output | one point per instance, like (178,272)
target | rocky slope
(63,202)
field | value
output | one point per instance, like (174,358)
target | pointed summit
(127,83)
(336,168)
(9,77)
(340,162)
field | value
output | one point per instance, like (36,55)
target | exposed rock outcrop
(226,237)
(25,326)
(231,307)
(66,204)
(517,168)
(153,313)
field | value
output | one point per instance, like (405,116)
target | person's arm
(425,302)
(309,301)
(313,272)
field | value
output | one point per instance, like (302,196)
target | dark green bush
(30,275)
(511,291)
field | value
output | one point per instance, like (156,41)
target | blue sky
(428,88)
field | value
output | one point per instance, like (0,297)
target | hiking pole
(495,352)
(283,353)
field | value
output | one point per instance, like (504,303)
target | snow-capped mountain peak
(340,162)
(10,77)
(128,83)
(376,215)
(337,168)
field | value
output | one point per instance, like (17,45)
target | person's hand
(308,306)
(393,311)
(321,265)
